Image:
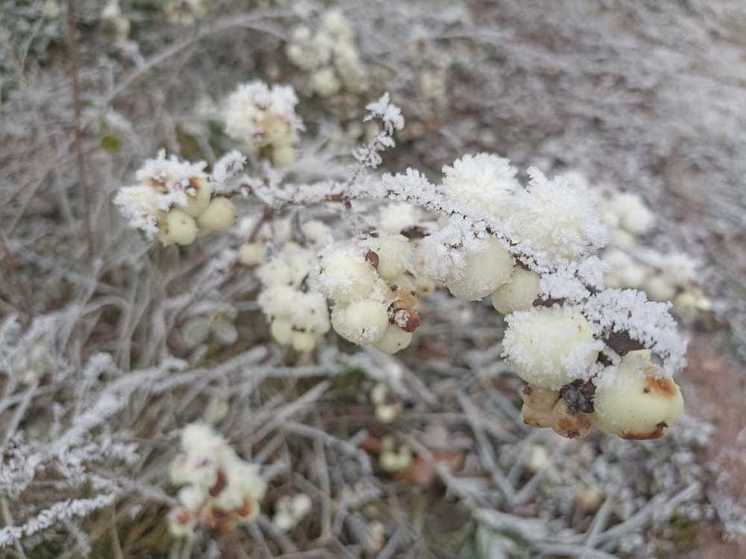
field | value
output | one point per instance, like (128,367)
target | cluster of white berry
(371,282)
(562,326)
(185,12)
(263,118)
(663,276)
(220,489)
(329,55)
(374,289)
(290,510)
(216,326)
(387,408)
(175,201)
(114,21)
(395,458)
(297,312)
(530,248)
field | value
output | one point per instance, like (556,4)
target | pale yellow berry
(388,412)
(623,240)
(484,270)
(634,215)
(391,461)
(538,459)
(251,254)
(425,286)
(219,215)
(659,289)
(282,331)
(518,294)
(395,255)
(549,347)
(404,281)
(686,306)
(180,228)
(588,498)
(346,276)
(637,403)
(198,197)
(361,322)
(303,342)
(277,130)
(283,155)
(325,82)
(379,393)
(394,339)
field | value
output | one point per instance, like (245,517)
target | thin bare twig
(74,52)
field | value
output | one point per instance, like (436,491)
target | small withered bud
(578,395)
(372,258)
(406,319)
(569,424)
(219,485)
(538,404)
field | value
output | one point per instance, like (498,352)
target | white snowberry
(180,228)
(345,275)
(251,254)
(283,155)
(658,288)
(361,322)
(483,182)
(518,294)
(325,83)
(395,218)
(394,253)
(484,269)
(394,339)
(198,197)
(318,232)
(303,341)
(277,300)
(557,219)
(633,214)
(220,215)
(282,331)
(637,402)
(549,347)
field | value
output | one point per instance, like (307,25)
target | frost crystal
(550,347)
(387,112)
(59,513)
(556,219)
(482,182)
(392,120)
(650,323)
(227,169)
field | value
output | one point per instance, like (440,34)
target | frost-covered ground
(111,344)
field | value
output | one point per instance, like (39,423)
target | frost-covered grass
(382,425)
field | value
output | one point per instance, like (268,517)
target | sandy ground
(720,383)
